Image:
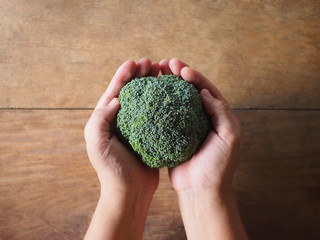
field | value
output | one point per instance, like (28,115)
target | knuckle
(223,106)
(97,112)
(232,137)
(96,116)
(237,124)
(86,130)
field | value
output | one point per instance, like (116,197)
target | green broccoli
(162,119)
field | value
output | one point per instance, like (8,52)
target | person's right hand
(127,185)
(116,166)
(211,167)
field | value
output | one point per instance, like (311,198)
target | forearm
(119,216)
(211,216)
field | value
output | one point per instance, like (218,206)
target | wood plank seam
(234,109)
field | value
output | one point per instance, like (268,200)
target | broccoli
(161,119)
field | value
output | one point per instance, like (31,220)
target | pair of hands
(211,168)
(203,183)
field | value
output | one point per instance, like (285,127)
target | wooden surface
(56,58)
(49,190)
(61,54)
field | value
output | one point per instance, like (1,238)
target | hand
(203,183)
(116,166)
(211,167)
(127,185)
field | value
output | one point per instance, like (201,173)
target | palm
(132,174)
(205,168)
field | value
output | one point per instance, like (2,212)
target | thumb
(99,124)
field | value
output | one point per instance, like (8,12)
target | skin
(127,185)
(203,184)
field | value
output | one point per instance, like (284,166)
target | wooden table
(57,57)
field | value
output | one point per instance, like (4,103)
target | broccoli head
(162,119)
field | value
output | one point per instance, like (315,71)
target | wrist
(205,193)
(124,198)
(110,185)
(124,210)
(210,213)
(119,215)
(205,199)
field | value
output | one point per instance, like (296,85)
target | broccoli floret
(162,119)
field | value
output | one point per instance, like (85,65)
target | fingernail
(163,61)
(113,102)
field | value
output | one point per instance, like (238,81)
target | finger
(164,67)
(201,82)
(220,113)
(143,67)
(99,124)
(154,70)
(123,75)
(176,65)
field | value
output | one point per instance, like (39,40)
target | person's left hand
(117,167)
(212,166)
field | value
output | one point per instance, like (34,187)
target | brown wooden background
(57,57)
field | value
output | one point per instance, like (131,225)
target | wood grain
(47,187)
(62,54)
(48,190)
(277,182)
